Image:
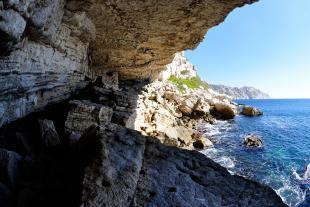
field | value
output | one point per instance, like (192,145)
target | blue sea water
(282,162)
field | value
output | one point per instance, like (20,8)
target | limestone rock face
(48,47)
(133,170)
(179,67)
(138,38)
(38,74)
(84,114)
(112,178)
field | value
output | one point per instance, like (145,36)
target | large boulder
(225,110)
(253,140)
(202,142)
(201,107)
(251,111)
(187,105)
(178,136)
(133,170)
(162,118)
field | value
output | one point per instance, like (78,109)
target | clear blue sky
(265,45)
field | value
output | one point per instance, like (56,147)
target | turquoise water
(282,162)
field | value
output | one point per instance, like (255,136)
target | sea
(283,160)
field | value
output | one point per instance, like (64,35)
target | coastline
(127,160)
(282,163)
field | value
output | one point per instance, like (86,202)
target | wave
(216,156)
(288,187)
(307,173)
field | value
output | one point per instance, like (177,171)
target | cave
(77,59)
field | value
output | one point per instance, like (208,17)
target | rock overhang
(56,44)
(138,38)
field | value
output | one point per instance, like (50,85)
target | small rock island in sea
(99,108)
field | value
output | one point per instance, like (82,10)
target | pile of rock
(173,117)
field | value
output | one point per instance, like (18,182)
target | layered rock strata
(48,47)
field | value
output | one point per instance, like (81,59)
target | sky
(265,45)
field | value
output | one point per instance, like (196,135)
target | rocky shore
(83,123)
(44,155)
(173,117)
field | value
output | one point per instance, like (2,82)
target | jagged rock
(82,27)
(110,80)
(84,114)
(187,105)
(132,170)
(12,26)
(251,111)
(176,136)
(48,133)
(162,119)
(227,111)
(9,167)
(253,140)
(202,143)
(201,107)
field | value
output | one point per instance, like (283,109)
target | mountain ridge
(245,92)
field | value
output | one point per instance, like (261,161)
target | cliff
(240,93)
(49,47)
(180,67)
(101,54)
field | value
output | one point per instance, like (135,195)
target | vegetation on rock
(191,83)
(184,72)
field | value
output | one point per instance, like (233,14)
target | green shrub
(184,72)
(192,83)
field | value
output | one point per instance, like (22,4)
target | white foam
(216,156)
(292,190)
(297,176)
(295,192)
(305,176)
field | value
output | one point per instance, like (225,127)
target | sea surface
(282,162)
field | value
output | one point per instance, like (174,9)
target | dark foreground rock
(133,170)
